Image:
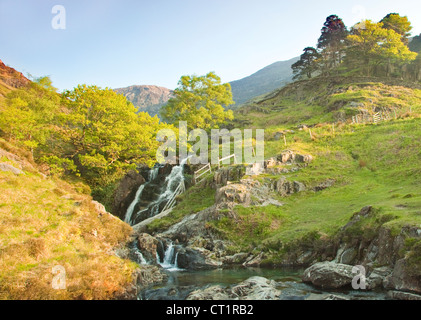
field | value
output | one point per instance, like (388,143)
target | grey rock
(208,294)
(256,288)
(399,295)
(9,168)
(329,275)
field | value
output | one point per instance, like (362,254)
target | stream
(181,283)
(151,197)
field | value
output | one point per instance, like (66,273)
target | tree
(400,25)
(201,101)
(27,115)
(103,135)
(332,41)
(307,65)
(372,45)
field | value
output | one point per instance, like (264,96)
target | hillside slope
(47,222)
(263,81)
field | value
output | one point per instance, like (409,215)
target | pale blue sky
(120,43)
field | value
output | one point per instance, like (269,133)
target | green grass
(377,165)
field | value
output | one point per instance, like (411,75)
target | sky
(116,44)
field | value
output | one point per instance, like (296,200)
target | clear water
(181,283)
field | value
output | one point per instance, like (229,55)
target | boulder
(148,246)
(236,259)
(196,259)
(399,295)
(256,288)
(401,280)
(211,293)
(254,261)
(9,168)
(329,275)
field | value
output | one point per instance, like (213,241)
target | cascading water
(170,259)
(166,191)
(130,209)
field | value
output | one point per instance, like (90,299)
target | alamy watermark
(195,146)
(59,280)
(59,20)
(359,281)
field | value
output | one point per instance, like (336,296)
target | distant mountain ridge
(150,98)
(272,77)
(147,98)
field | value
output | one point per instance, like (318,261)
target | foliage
(307,65)
(368,48)
(88,131)
(201,101)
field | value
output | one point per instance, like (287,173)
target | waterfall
(171,181)
(130,209)
(166,191)
(140,259)
(170,259)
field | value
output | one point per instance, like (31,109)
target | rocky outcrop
(401,280)
(285,188)
(143,277)
(224,175)
(148,246)
(147,98)
(247,192)
(12,78)
(196,259)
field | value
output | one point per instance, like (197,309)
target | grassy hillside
(47,222)
(370,164)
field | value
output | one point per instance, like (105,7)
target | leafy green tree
(201,101)
(27,115)
(103,135)
(307,65)
(372,46)
(400,25)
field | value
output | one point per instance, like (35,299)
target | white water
(130,209)
(140,257)
(170,260)
(171,181)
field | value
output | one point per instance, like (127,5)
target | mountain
(10,79)
(263,81)
(146,98)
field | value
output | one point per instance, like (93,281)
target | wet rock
(147,245)
(329,275)
(256,288)
(254,261)
(236,259)
(196,259)
(211,293)
(143,277)
(399,295)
